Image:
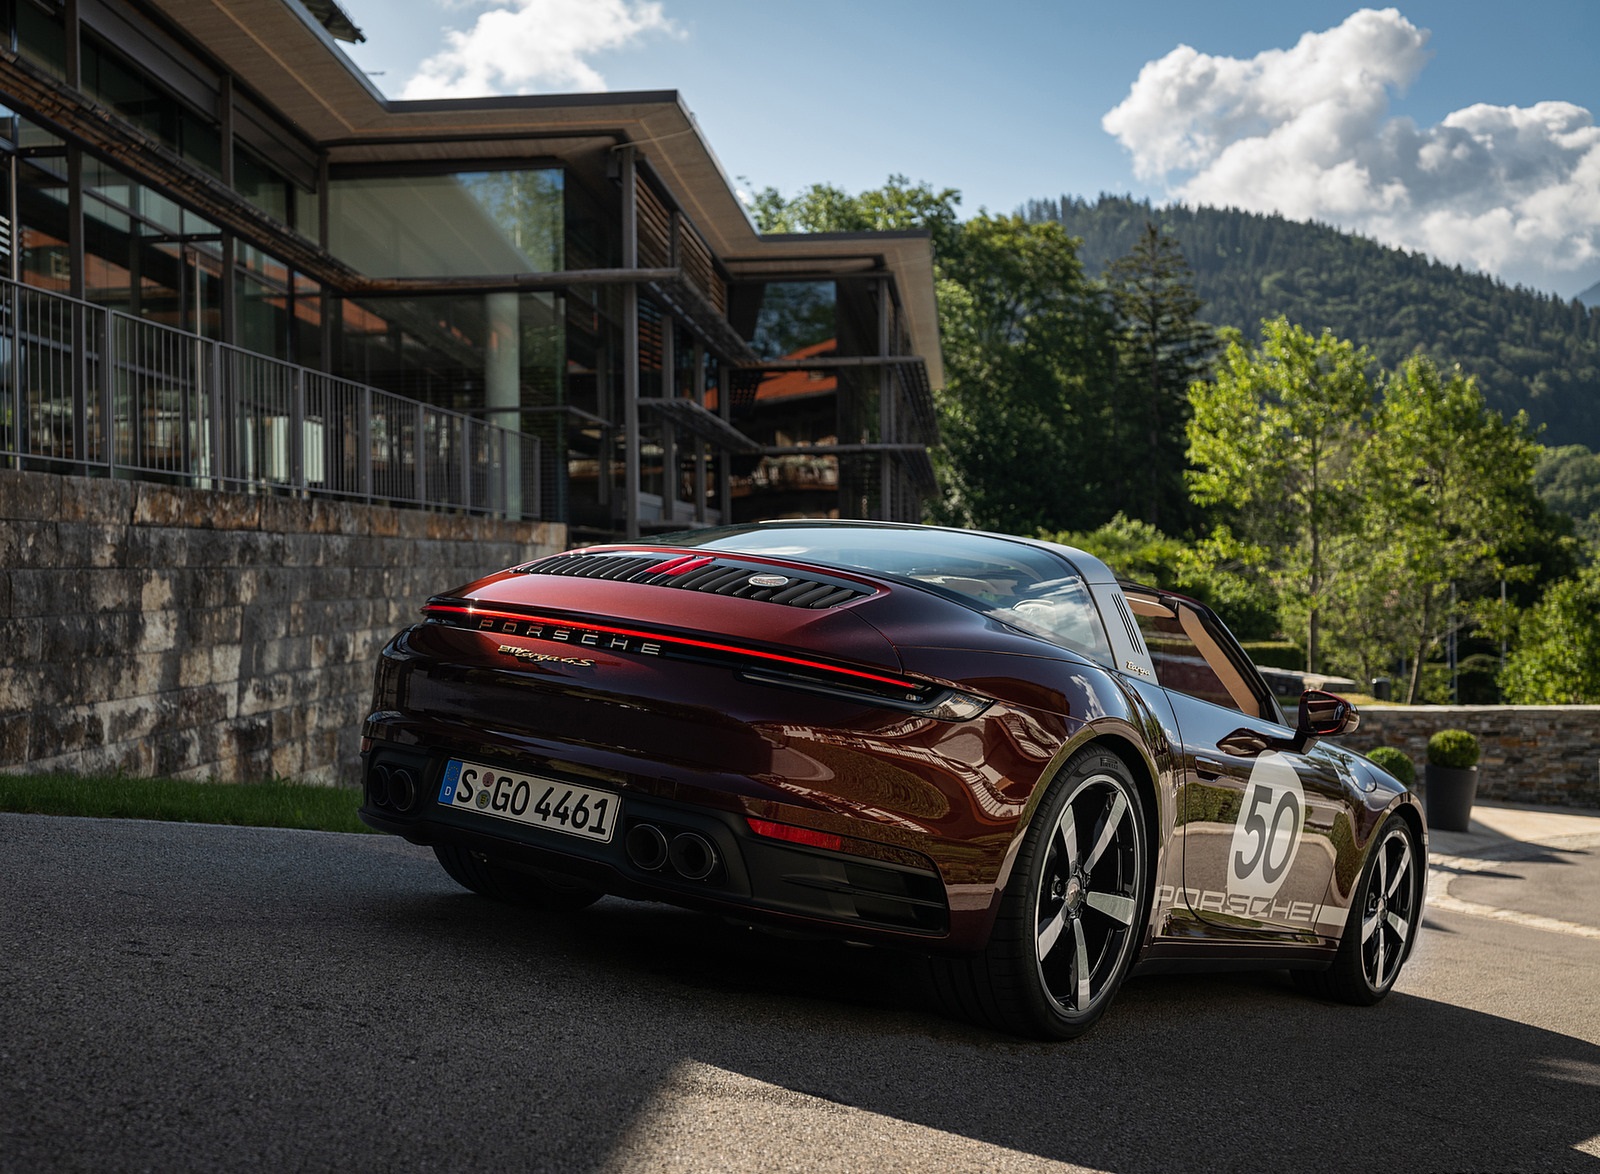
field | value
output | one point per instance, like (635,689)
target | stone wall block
(159,589)
(176,751)
(18,689)
(71,639)
(113,589)
(235,511)
(411,525)
(158,630)
(158,505)
(131,719)
(36,545)
(96,500)
(49,593)
(206,628)
(225,660)
(5,594)
(21,640)
(67,728)
(29,496)
(158,547)
(16,741)
(379,521)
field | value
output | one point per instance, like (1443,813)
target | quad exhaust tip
(393,787)
(692,856)
(647,846)
(689,854)
(402,789)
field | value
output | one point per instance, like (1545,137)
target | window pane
(1178,662)
(466,225)
(794,316)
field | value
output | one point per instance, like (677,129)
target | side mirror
(1323,715)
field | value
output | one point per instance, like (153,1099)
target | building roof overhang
(282,51)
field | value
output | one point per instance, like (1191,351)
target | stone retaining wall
(1531,754)
(158,630)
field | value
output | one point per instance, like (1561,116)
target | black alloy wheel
(1384,919)
(1074,910)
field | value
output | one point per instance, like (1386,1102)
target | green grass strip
(266,805)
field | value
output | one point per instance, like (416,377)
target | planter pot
(1448,796)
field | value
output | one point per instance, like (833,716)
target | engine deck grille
(702,573)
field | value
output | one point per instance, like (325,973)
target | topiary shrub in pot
(1397,762)
(1452,779)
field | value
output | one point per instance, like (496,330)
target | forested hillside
(1529,350)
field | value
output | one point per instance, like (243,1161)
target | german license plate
(531,800)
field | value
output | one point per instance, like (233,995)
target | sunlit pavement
(1503,844)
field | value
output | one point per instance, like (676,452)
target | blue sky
(1461,128)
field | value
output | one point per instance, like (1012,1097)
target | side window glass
(1179,663)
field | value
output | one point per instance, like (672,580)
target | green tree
(1218,569)
(1568,479)
(1273,439)
(898,204)
(1028,355)
(1446,479)
(1556,660)
(1162,348)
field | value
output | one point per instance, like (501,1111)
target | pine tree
(1162,347)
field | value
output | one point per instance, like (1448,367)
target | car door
(1259,816)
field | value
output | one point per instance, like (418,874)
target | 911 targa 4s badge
(985,748)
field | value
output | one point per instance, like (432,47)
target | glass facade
(553,363)
(466,224)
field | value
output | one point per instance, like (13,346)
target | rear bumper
(802,888)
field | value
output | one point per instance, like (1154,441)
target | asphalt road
(203,998)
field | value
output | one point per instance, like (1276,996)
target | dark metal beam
(837,361)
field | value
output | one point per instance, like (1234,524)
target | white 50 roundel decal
(1267,835)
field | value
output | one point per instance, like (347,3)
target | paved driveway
(200,998)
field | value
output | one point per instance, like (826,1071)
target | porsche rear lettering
(536,630)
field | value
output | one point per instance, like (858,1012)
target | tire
(1072,915)
(1385,916)
(542,891)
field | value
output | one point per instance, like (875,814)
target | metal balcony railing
(84,389)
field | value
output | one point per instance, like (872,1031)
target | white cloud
(528,45)
(1307,132)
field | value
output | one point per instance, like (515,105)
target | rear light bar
(763,667)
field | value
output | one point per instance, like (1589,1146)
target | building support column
(669,433)
(328,296)
(724,458)
(886,415)
(228,307)
(630,345)
(698,390)
(502,378)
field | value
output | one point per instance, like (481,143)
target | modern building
(243,252)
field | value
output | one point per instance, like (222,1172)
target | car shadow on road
(1184,1072)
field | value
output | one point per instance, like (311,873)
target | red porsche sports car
(983,747)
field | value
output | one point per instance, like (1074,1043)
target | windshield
(1024,586)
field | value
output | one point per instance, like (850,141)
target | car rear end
(710,729)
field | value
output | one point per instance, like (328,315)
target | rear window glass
(1021,585)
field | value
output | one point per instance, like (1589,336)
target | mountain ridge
(1530,351)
